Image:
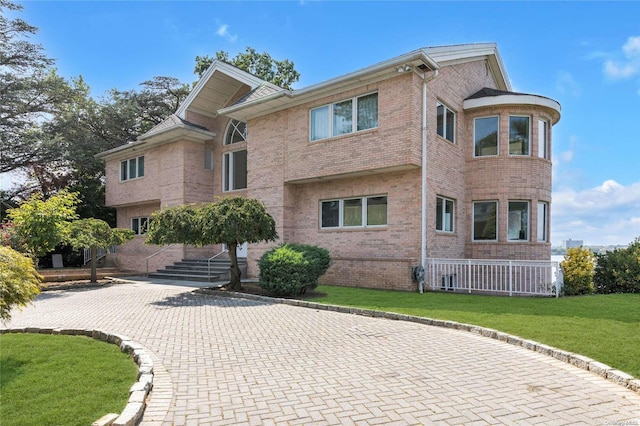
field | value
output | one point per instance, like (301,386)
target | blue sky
(586,55)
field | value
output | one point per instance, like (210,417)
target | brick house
(426,155)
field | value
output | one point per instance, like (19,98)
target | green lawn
(603,327)
(61,380)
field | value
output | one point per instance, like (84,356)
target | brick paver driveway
(234,361)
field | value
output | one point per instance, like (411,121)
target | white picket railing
(512,277)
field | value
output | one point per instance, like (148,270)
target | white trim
(444,121)
(354,116)
(515,99)
(528,230)
(231,171)
(473,221)
(444,209)
(364,203)
(497,134)
(529,141)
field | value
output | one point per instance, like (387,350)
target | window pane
(135,225)
(226,172)
(123,170)
(485,215)
(439,214)
(236,132)
(330,214)
(208,159)
(376,211)
(440,119)
(132,169)
(542,139)
(450,125)
(239,169)
(542,222)
(320,123)
(140,166)
(486,136)
(342,117)
(368,111)
(519,135)
(144,225)
(448,215)
(518,221)
(352,212)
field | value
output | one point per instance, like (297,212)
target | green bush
(578,266)
(618,271)
(292,269)
(19,281)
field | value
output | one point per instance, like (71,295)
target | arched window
(236,132)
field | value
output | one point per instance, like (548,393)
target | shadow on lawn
(11,369)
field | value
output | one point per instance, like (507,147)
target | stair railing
(155,254)
(211,258)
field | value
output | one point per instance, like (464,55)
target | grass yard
(603,327)
(61,380)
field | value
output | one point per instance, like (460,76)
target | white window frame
(142,225)
(543,139)
(444,122)
(363,224)
(528,153)
(230,172)
(528,220)
(234,124)
(446,200)
(497,136)
(354,117)
(473,221)
(543,222)
(127,165)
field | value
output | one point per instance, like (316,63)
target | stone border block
(138,392)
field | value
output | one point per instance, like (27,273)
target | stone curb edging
(616,376)
(132,413)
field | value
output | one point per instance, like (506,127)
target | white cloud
(223,31)
(626,65)
(567,84)
(606,214)
(632,48)
(617,71)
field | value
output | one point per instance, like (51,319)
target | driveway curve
(221,360)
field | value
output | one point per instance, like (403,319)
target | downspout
(423,199)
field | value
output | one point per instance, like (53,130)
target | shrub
(292,269)
(618,271)
(577,267)
(19,281)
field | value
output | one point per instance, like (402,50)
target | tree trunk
(234,272)
(94,264)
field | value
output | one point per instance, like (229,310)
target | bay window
(543,139)
(543,215)
(519,135)
(518,226)
(485,136)
(485,221)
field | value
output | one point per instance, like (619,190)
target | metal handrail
(155,254)
(101,253)
(211,258)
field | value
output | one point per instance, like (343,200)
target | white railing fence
(512,277)
(101,253)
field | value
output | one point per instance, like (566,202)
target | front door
(241,251)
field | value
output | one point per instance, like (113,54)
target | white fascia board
(233,72)
(292,98)
(506,100)
(181,130)
(120,150)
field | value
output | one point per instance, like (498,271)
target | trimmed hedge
(618,271)
(292,269)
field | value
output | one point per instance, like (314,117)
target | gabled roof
(488,97)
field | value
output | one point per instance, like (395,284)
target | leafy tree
(230,220)
(94,234)
(19,281)
(43,224)
(618,271)
(280,73)
(578,266)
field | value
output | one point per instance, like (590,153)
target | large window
(446,122)
(518,227)
(132,168)
(543,139)
(445,214)
(485,135)
(236,132)
(344,117)
(519,135)
(485,221)
(354,212)
(543,215)
(139,225)
(234,170)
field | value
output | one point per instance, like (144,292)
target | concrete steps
(198,270)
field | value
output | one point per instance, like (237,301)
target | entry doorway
(241,251)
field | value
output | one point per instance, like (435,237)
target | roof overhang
(550,105)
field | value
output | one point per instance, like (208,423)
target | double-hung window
(446,122)
(354,212)
(485,220)
(519,135)
(139,225)
(348,116)
(485,136)
(543,139)
(445,214)
(132,168)
(518,227)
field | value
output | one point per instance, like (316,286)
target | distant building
(567,244)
